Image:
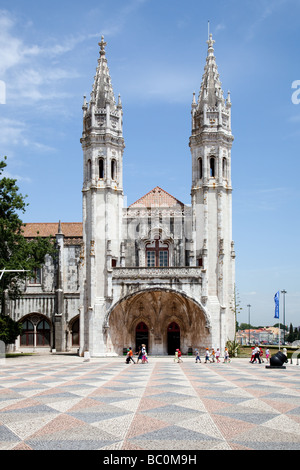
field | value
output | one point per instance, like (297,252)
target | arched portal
(141,336)
(157,309)
(173,337)
(75,333)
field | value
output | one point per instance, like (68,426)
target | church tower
(103,146)
(211,193)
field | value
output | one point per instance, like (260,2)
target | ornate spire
(211,88)
(102,115)
(102,93)
(211,111)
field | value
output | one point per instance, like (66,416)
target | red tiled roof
(69,229)
(157,198)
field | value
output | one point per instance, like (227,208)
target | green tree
(293,334)
(16,252)
(9,329)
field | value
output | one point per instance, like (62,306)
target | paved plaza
(62,402)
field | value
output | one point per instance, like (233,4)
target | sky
(156,51)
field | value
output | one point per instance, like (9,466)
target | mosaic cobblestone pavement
(63,403)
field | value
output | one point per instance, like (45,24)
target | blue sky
(156,55)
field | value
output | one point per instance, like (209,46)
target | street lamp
(249,320)
(283,292)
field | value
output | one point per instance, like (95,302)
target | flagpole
(277,314)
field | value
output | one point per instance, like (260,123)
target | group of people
(213,355)
(257,355)
(142,355)
(210,356)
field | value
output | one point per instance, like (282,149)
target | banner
(276,300)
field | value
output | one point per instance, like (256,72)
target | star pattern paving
(65,403)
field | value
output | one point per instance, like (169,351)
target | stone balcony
(186,279)
(157,273)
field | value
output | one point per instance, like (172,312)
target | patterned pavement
(65,403)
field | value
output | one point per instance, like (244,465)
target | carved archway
(157,308)
(36,331)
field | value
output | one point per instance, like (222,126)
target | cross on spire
(102,45)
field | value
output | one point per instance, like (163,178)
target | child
(179,356)
(140,354)
(207,356)
(218,355)
(267,354)
(226,355)
(144,353)
(213,354)
(197,356)
(127,357)
(130,354)
(261,354)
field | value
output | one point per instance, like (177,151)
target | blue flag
(276,300)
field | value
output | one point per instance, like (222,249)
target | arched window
(200,168)
(43,334)
(157,254)
(224,168)
(27,335)
(113,169)
(101,168)
(212,167)
(89,170)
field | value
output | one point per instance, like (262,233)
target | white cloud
(14,134)
(25,68)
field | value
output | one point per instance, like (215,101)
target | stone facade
(157,272)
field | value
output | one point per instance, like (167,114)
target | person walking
(256,355)
(140,354)
(267,354)
(252,355)
(218,355)
(197,356)
(213,355)
(207,356)
(179,356)
(130,354)
(144,354)
(261,354)
(226,355)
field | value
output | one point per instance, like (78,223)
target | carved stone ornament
(92,248)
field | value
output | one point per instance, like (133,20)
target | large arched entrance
(149,314)
(75,333)
(173,337)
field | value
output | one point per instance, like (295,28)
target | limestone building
(157,272)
